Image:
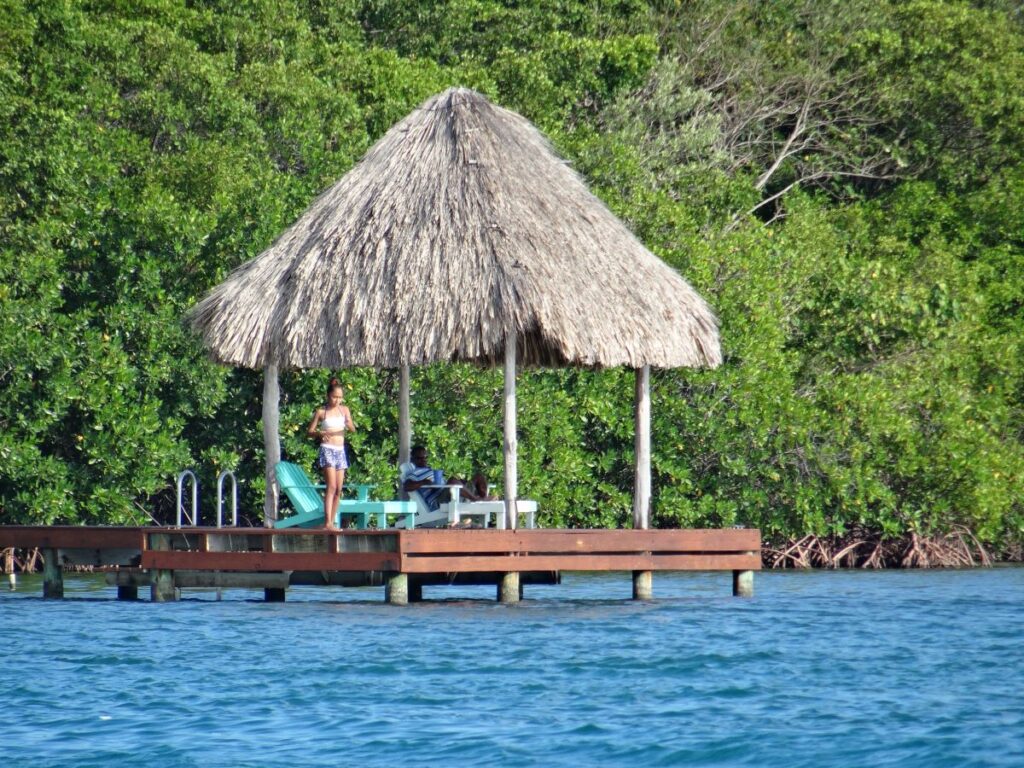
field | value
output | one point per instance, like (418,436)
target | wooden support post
(743,583)
(511,516)
(273,594)
(53,578)
(397,590)
(415,592)
(161,586)
(643,581)
(643,585)
(161,589)
(509,588)
(404,421)
(642,446)
(271,441)
(128,592)
(12,579)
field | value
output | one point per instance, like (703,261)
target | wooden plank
(128,577)
(231,580)
(70,537)
(441,541)
(295,544)
(263,532)
(271,561)
(100,557)
(584,562)
(190,579)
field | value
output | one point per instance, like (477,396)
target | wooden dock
(169,559)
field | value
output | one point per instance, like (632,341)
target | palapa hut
(460,236)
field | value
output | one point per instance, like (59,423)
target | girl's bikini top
(333,423)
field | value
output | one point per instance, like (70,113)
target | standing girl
(329,424)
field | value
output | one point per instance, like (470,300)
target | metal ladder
(194,520)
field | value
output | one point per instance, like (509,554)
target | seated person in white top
(422,475)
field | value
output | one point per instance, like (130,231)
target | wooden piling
(643,585)
(53,578)
(161,588)
(128,592)
(743,583)
(12,579)
(509,588)
(274,594)
(397,590)
(415,592)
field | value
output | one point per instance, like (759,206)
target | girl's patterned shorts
(333,456)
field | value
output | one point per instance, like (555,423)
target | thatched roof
(459,223)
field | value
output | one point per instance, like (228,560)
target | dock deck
(168,559)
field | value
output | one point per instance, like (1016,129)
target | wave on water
(818,669)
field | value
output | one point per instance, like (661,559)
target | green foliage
(841,180)
(948,80)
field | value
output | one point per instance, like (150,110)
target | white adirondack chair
(454,511)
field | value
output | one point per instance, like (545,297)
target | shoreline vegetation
(842,182)
(958,549)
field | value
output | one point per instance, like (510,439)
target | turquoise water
(819,669)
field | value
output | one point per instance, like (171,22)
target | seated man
(477,489)
(422,475)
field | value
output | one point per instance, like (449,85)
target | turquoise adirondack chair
(304,495)
(308,502)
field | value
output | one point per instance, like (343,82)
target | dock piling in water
(510,590)
(53,578)
(643,585)
(161,589)
(415,591)
(743,583)
(127,592)
(397,590)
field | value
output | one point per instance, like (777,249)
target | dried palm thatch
(461,224)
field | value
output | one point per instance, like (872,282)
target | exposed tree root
(959,548)
(23,560)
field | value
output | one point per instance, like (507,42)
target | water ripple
(849,668)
